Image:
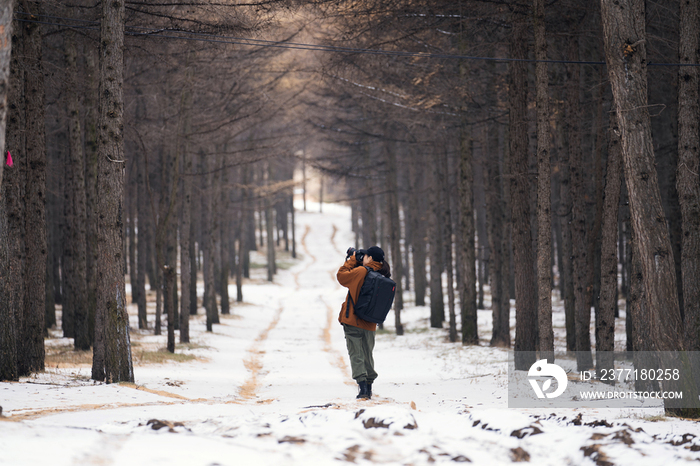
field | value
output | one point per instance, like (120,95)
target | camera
(359,253)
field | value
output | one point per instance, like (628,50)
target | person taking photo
(359,334)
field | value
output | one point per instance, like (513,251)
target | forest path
(271,386)
(301,333)
(285,340)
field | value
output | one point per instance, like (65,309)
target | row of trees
(588,154)
(151,151)
(456,161)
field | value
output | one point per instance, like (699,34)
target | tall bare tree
(394,236)
(605,318)
(76,241)
(467,256)
(544,190)
(687,180)
(32,331)
(579,226)
(6,9)
(626,58)
(112,351)
(10,264)
(525,283)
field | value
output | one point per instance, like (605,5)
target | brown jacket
(352,278)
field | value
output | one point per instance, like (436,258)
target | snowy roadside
(271,385)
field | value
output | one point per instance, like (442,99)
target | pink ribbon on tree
(9,159)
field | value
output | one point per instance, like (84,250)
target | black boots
(365,391)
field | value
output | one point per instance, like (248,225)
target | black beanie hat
(376,253)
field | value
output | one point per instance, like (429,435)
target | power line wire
(204,37)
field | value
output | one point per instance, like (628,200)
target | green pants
(360,344)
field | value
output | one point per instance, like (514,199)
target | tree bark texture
(525,283)
(445,219)
(498,243)
(142,239)
(224,238)
(185,257)
(208,238)
(112,351)
(579,228)
(11,215)
(594,238)
(605,317)
(91,161)
(687,180)
(467,258)
(625,54)
(270,240)
(68,310)
(132,197)
(6,9)
(566,272)
(544,190)
(417,232)
(395,238)
(76,280)
(625,50)
(32,357)
(8,319)
(435,234)
(169,276)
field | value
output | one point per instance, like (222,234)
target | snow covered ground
(271,385)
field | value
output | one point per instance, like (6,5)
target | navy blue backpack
(375,299)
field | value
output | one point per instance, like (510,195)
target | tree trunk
(112,351)
(6,27)
(641,332)
(445,218)
(525,283)
(605,317)
(470,333)
(53,279)
(594,240)
(132,196)
(436,253)
(270,241)
(369,217)
(498,243)
(67,245)
(32,358)
(293,225)
(77,239)
(193,265)
(208,238)
(567,271)
(224,238)
(417,232)
(544,191)
(687,180)
(169,276)
(625,54)
(142,240)
(395,237)
(579,227)
(185,257)
(91,162)
(11,236)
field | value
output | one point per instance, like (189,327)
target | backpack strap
(350,300)
(347,306)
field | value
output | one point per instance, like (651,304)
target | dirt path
(255,360)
